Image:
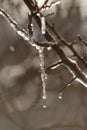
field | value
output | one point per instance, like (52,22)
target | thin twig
(54,65)
(21,32)
(44,43)
(82,39)
(65,42)
(67,85)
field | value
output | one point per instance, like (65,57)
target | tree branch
(51,35)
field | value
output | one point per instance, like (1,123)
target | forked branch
(51,39)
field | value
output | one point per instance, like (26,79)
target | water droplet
(49,48)
(45,76)
(68,85)
(44,98)
(60,95)
(44,106)
(12,49)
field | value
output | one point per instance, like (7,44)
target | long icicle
(43,76)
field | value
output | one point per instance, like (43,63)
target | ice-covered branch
(51,39)
(14,25)
(21,32)
(82,39)
(54,65)
(58,37)
(44,43)
(72,65)
(52,35)
(67,85)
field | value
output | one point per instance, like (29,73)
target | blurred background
(20,82)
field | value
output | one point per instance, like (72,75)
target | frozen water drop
(68,85)
(45,76)
(60,95)
(44,96)
(12,49)
(44,104)
(49,48)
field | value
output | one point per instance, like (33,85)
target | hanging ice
(43,76)
(60,95)
(43,25)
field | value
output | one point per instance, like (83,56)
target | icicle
(43,76)
(43,25)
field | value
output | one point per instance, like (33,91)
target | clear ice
(43,76)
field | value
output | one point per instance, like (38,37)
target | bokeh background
(20,82)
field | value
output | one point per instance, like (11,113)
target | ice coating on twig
(82,82)
(14,25)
